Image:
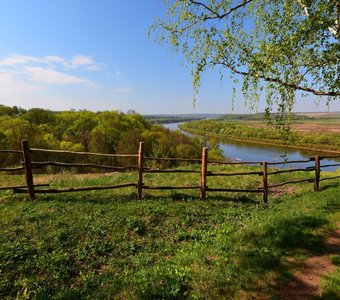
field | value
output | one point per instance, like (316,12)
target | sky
(96,55)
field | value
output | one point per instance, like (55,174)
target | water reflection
(243,151)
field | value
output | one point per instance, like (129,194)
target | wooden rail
(235,174)
(11,151)
(81,153)
(32,189)
(77,165)
(13,187)
(284,162)
(77,189)
(292,170)
(11,169)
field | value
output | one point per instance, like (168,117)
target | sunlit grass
(108,244)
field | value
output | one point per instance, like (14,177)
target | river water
(242,151)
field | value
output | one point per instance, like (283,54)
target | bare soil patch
(307,276)
(309,127)
(316,128)
(279,192)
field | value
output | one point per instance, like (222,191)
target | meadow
(169,245)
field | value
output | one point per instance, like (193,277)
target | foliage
(108,245)
(105,132)
(279,47)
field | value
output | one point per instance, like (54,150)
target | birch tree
(275,47)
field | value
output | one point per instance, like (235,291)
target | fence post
(317,173)
(28,168)
(204,172)
(265,182)
(140,170)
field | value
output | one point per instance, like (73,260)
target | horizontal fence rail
(81,165)
(78,189)
(11,169)
(235,174)
(284,162)
(15,187)
(11,151)
(291,171)
(81,153)
(27,165)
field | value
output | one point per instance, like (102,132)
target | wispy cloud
(44,75)
(10,87)
(14,60)
(28,79)
(124,90)
(75,62)
(25,70)
(81,60)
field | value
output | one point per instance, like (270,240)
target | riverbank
(260,142)
(328,143)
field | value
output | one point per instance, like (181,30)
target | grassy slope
(169,245)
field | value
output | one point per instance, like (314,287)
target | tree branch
(217,15)
(283,83)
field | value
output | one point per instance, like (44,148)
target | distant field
(309,122)
(312,127)
(320,114)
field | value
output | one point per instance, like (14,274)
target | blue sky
(96,55)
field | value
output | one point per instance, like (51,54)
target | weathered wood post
(28,168)
(140,170)
(317,173)
(204,172)
(265,182)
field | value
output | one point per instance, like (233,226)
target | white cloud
(10,87)
(124,90)
(44,75)
(75,62)
(14,59)
(53,59)
(28,79)
(81,60)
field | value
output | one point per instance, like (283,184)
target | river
(242,151)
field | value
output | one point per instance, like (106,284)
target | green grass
(170,245)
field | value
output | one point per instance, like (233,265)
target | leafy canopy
(279,47)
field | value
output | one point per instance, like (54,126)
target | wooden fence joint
(140,170)
(317,173)
(28,168)
(204,172)
(265,182)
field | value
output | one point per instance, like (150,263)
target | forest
(104,132)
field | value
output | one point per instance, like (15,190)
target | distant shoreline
(259,142)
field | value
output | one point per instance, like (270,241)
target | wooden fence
(27,165)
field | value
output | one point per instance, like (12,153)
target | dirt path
(306,279)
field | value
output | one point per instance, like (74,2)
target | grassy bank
(108,245)
(257,132)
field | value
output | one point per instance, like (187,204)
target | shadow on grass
(265,251)
(187,197)
(100,197)
(328,185)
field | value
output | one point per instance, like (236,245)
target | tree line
(104,132)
